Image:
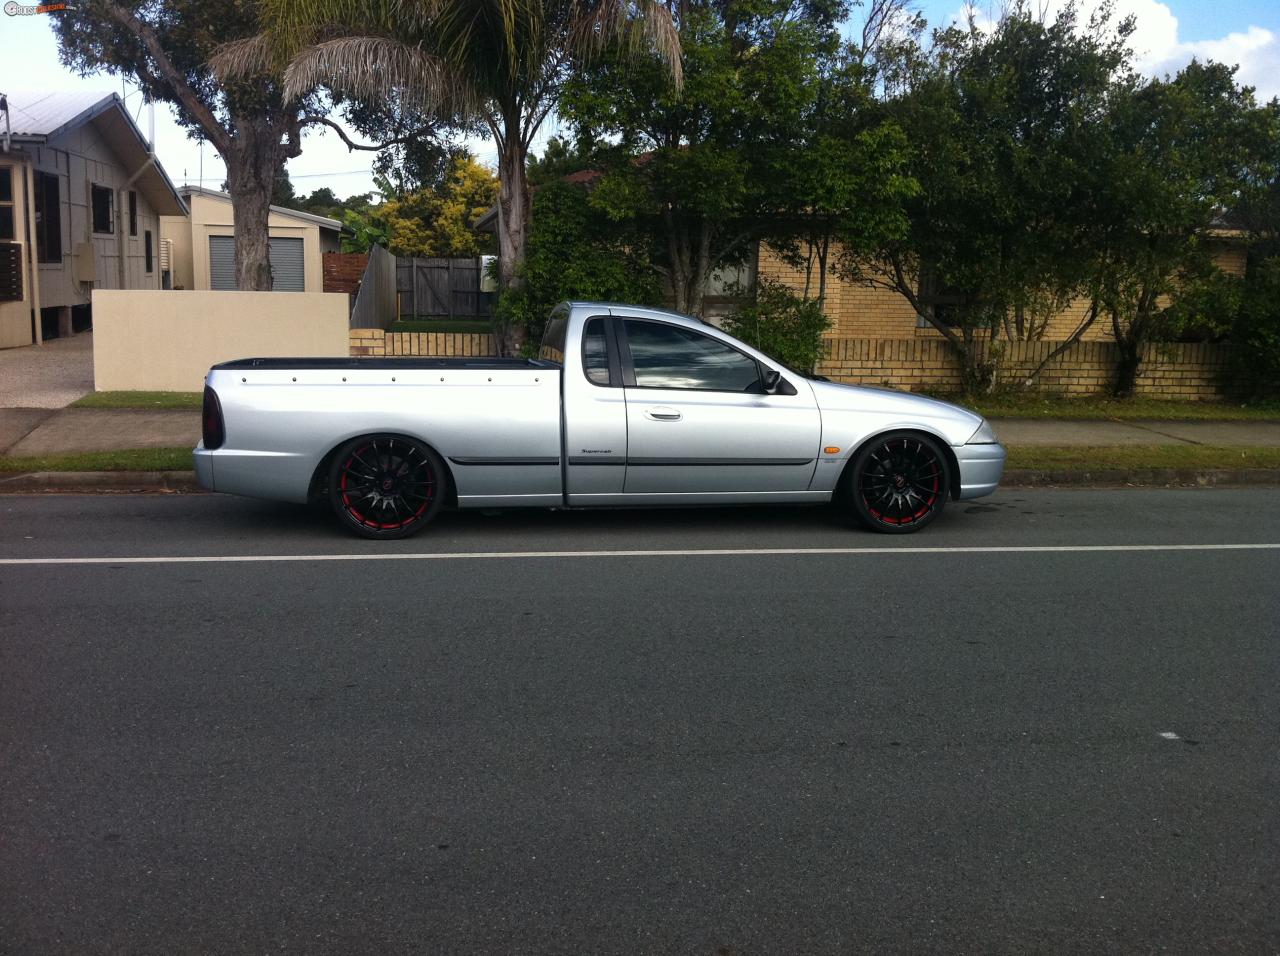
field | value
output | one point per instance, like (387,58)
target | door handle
(662,414)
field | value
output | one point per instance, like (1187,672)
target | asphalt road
(949,751)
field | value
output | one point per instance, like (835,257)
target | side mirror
(771,379)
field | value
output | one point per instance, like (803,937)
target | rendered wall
(166,341)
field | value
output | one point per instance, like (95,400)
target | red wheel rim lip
(368,521)
(898,472)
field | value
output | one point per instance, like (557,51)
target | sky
(1169,34)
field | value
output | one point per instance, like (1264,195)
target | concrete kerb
(184,482)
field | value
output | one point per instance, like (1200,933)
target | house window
(133,213)
(146,251)
(104,211)
(6,203)
(48,218)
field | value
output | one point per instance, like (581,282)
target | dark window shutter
(222,263)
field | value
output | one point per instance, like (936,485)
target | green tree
(501,61)
(698,164)
(576,253)
(1178,152)
(165,49)
(1004,133)
(441,222)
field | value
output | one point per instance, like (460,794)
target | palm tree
(501,62)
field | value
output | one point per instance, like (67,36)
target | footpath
(32,434)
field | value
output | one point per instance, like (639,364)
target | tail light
(215,432)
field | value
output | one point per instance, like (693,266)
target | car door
(700,426)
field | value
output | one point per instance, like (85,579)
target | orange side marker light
(832,450)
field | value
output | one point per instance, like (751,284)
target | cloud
(1158,50)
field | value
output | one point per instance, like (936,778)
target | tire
(386,486)
(898,483)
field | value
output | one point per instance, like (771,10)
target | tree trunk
(513,230)
(252,164)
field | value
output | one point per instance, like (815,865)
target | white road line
(1169,735)
(655,553)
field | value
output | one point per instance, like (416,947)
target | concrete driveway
(52,375)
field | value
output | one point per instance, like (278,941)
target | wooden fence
(441,288)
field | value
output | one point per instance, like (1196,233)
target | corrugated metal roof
(43,113)
(323,222)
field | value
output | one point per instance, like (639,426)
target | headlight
(985,435)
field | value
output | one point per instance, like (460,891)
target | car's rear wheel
(898,483)
(386,486)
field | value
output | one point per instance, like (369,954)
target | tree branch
(314,119)
(214,130)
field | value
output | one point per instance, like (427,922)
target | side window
(667,356)
(595,352)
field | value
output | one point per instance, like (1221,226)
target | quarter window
(595,352)
(667,356)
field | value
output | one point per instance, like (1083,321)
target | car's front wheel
(386,486)
(898,483)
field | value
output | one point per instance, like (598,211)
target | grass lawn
(1032,406)
(1036,457)
(132,459)
(483,326)
(139,400)
(1126,457)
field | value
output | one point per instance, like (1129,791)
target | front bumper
(980,468)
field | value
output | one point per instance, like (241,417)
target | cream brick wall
(1189,372)
(858,310)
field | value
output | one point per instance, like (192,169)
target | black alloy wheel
(899,483)
(386,486)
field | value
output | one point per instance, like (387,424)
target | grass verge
(131,459)
(1100,409)
(1133,457)
(139,400)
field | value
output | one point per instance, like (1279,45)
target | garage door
(222,263)
(287,273)
(286,265)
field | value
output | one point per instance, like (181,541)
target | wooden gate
(441,288)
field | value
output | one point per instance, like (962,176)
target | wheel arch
(320,476)
(953,463)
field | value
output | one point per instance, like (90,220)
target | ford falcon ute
(623,406)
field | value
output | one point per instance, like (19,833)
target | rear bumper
(980,469)
(280,476)
(204,466)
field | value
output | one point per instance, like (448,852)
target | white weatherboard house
(81,196)
(202,244)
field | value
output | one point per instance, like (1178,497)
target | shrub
(574,252)
(782,325)
(1255,336)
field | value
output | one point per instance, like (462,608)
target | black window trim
(45,229)
(11,204)
(610,348)
(111,210)
(628,367)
